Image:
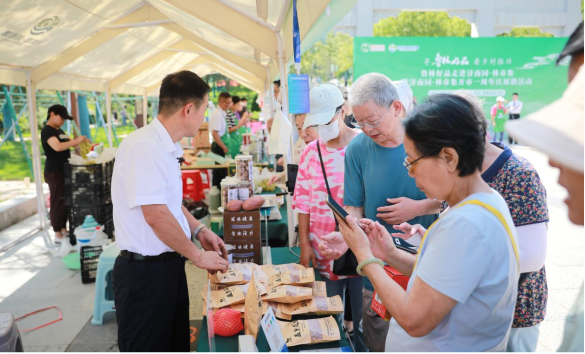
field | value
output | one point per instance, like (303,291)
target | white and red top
(311,196)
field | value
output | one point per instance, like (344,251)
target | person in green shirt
(499,118)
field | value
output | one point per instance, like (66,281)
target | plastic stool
(104,302)
(9,335)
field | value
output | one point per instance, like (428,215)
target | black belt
(138,257)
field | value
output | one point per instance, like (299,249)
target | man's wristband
(366,262)
(197,231)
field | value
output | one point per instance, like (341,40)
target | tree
(335,50)
(422,24)
(525,32)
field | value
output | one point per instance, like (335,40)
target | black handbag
(347,263)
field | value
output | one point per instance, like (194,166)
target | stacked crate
(88,192)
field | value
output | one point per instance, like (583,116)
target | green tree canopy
(422,24)
(336,49)
(525,32)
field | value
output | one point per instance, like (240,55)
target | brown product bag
(232,295)
(315,306)
(310,331)
(253,309)
(319,289)
(274,269)
(292,277)
(240,273)
(276,308)
(288,294)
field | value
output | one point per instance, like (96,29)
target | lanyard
(492,210)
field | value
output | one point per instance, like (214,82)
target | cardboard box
(201,139)
(242,230)
(377,304)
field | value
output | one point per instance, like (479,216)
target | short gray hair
(373,87)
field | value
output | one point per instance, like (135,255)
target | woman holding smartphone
(464,280)
(314,184)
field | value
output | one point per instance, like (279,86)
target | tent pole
(270,93)
(36,152)
(284,97)
(144,107)
(109,113)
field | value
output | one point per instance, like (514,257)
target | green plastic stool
(104,300)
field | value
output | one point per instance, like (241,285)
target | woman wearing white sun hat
(562,140)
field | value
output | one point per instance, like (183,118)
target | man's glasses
(372,125)
(408,165)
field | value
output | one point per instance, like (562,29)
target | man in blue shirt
(377,185)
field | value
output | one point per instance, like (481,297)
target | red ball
(227,322)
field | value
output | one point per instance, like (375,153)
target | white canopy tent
(129,46)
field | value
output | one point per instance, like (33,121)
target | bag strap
(489,208)
(325,176)
(323,168)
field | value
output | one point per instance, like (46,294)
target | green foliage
(13,165)
(337,50)
(422,24)
(240,90)
(525,32)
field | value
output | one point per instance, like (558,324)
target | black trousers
(218,173)
(513,117)
(152,305)
(58,212)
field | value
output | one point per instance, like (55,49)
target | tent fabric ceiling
(98,44)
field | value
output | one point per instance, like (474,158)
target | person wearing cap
(376,184)
(313,185)
(562,140)
(56,144)
(498,113)
(154,231)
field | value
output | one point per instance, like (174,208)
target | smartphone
(336,208)
(398,242)
(405,246)
(292,170)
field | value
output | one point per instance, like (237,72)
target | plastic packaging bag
(280,135)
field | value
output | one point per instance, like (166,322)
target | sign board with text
(488,67)
(241,229)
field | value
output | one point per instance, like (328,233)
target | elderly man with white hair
(377,185)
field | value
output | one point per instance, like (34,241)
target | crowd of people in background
(431,175)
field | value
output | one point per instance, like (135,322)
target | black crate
(89,257)
(83,195)
(97,174)
(103,214)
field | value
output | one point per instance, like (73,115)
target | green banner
(488,67)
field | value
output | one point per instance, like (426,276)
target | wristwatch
(197,231)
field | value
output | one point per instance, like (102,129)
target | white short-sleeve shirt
(217,121)
(146,172)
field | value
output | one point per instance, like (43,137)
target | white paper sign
(272,332)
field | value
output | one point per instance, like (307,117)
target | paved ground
(13,189)
(32,279)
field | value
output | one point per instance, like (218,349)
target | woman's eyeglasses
(408,165)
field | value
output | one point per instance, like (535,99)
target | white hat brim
(547,130)
(319,118)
